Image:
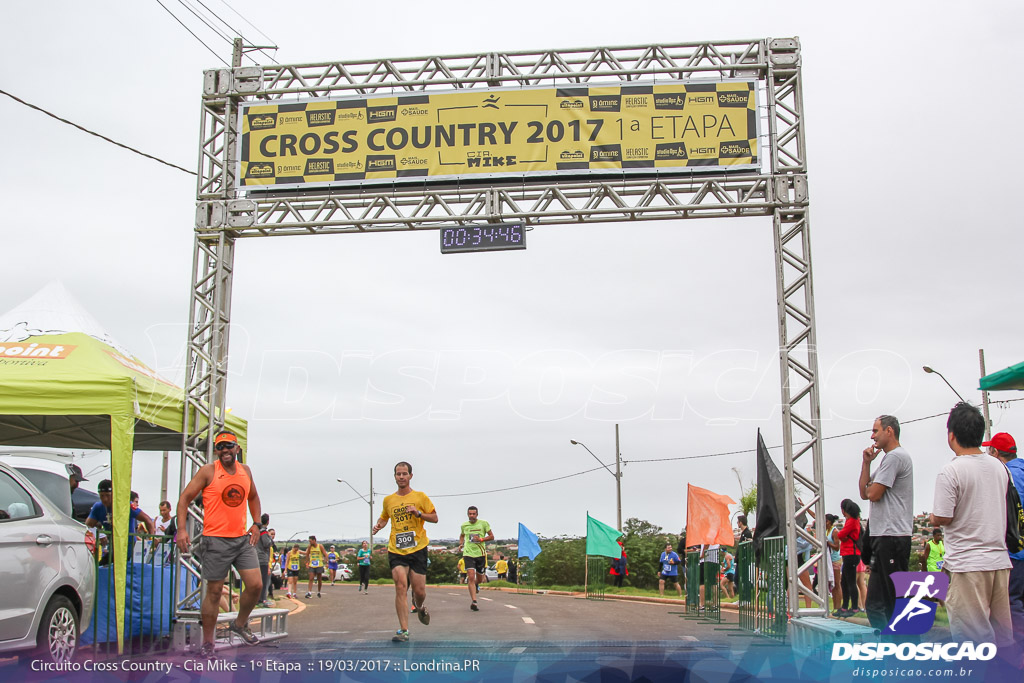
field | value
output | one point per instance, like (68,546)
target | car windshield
(54,486)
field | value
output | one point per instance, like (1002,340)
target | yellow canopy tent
(65,383)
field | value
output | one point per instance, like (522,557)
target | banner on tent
(640,129)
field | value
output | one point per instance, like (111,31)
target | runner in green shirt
(473,544)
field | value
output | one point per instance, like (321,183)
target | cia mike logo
(915,611)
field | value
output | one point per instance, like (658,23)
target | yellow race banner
(643,129)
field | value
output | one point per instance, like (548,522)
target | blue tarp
(149,603)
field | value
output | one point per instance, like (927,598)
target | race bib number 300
(405,540)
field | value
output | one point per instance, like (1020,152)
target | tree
(748,500)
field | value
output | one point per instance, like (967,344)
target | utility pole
(618,476)
(984,396)
(236,53)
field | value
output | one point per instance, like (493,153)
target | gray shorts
(219,554)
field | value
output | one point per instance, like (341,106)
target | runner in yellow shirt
(292,566)
(315,557)
(407,510)
(501,566)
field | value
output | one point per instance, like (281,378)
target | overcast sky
(666,328)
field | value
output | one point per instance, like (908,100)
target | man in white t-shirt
(970,502)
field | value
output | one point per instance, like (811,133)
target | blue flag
(528,544)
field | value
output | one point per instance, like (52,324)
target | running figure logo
(915,611)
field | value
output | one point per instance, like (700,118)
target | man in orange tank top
(227,487)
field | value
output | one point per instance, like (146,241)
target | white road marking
(453,594)
(527,620)
(517,651)
(487,599)
(333,631)
(688,637)
(511,606)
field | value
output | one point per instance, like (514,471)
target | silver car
(46,570)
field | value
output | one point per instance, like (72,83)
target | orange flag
(707,517)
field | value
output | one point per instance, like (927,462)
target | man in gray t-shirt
(890,517)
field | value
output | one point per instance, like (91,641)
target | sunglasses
(223,446)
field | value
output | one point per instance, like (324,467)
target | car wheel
(58,631)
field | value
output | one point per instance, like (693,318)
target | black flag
(771,488)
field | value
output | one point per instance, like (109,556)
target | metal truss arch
(226,213)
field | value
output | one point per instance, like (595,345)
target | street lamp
(94,470)
(296,534)
(936,372)
(369,502)
(617,473)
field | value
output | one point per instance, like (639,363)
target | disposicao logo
(914,614)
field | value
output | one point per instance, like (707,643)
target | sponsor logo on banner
(571,104)
(36,350)
(670,100)
(605,102)
(670,152)
(734,98)
(606,153)
(378,163)
(262,121)
(381,114)
(319,167)
(733,150)
(572,155)
(414,111)
(700,99)
(320,117)
(914,614)
(260,170)
(414,161)
(634,101)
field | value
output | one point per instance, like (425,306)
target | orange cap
(225,436)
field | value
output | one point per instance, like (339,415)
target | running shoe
(474,607)
(424,616)
(206,651)
(400,637)
(244,632)
(309,595)
(318,594)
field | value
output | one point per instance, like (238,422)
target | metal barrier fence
(692,584)
(712,597)
(770,617)
(151,573)
(524,576)
(597,568)
(745,584)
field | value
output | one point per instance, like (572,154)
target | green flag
(602,539)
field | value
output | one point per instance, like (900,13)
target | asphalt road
(344,615)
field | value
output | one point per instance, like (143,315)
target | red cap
(1002,442)
(225,436)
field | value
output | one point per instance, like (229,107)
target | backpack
(1014,517)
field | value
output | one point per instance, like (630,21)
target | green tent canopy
(65,383)
(1009,378)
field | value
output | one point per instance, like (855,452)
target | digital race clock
(486,237)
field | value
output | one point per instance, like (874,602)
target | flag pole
(586,565)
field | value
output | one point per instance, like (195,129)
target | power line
(223,36)
(237,32)
(454,495)
(102,137)
(272,41)
(521,486)
(212,51)
(595,469)
(824,438)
